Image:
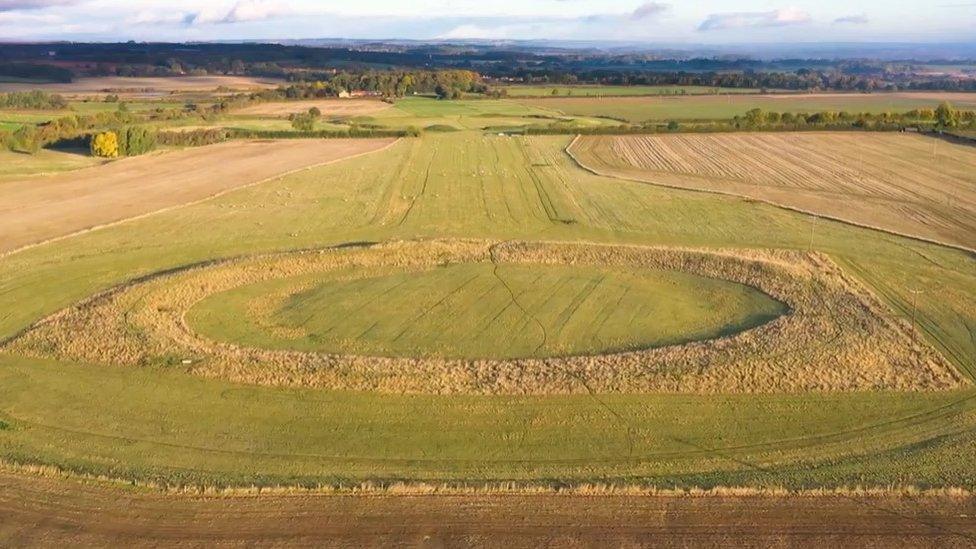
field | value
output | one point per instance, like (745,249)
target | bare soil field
(37,209)
(145,86)
(906,184)
(329,107)
(47,512)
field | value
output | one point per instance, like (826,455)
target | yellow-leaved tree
(105,144)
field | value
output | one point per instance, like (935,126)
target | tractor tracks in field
(423,189)
(581,379)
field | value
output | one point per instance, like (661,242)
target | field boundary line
(218,194)
(594,171)
(408,488)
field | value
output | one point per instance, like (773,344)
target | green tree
(26,139)
(756,117)
(946,116)
(303,122)
(135,140)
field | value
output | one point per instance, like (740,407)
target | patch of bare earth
(40,511)
(906,184)
(329,107)
(39,209)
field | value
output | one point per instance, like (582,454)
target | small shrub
(105,145)
(303,122)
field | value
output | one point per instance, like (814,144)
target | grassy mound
(479,311)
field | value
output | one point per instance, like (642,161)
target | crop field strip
(143,86)
(310,436)
(328,107)
(902,183)
(519,90)
(93,515)
(34,211)
(713,107)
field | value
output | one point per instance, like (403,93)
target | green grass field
(92,107)
(156,423)
(11,120)
(15,165)
(471,114)
(466,311)
(519,90)
(640,109)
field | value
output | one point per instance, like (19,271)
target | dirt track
(38,511)
(39,209)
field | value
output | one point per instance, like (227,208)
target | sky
(666,21)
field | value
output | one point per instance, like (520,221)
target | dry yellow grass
(906,184)
(837,337)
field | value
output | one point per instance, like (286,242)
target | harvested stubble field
(154,423)
(143,86)
(35,209)
(904,183)
(835,336)
(711,107)
(40,511)
(329,107)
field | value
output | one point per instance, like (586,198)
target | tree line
(35,99)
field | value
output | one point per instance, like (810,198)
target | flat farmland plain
(708,107)
(153,423)
(35,209)
(907,184)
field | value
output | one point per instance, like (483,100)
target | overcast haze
(718,21)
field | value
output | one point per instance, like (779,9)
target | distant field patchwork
(615,91)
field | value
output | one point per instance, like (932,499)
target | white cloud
(861,19)
(475,31)
(241,12)
(738,20)
(11,18)
(147,17)
(649,9)
(255,10)
(11,5)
